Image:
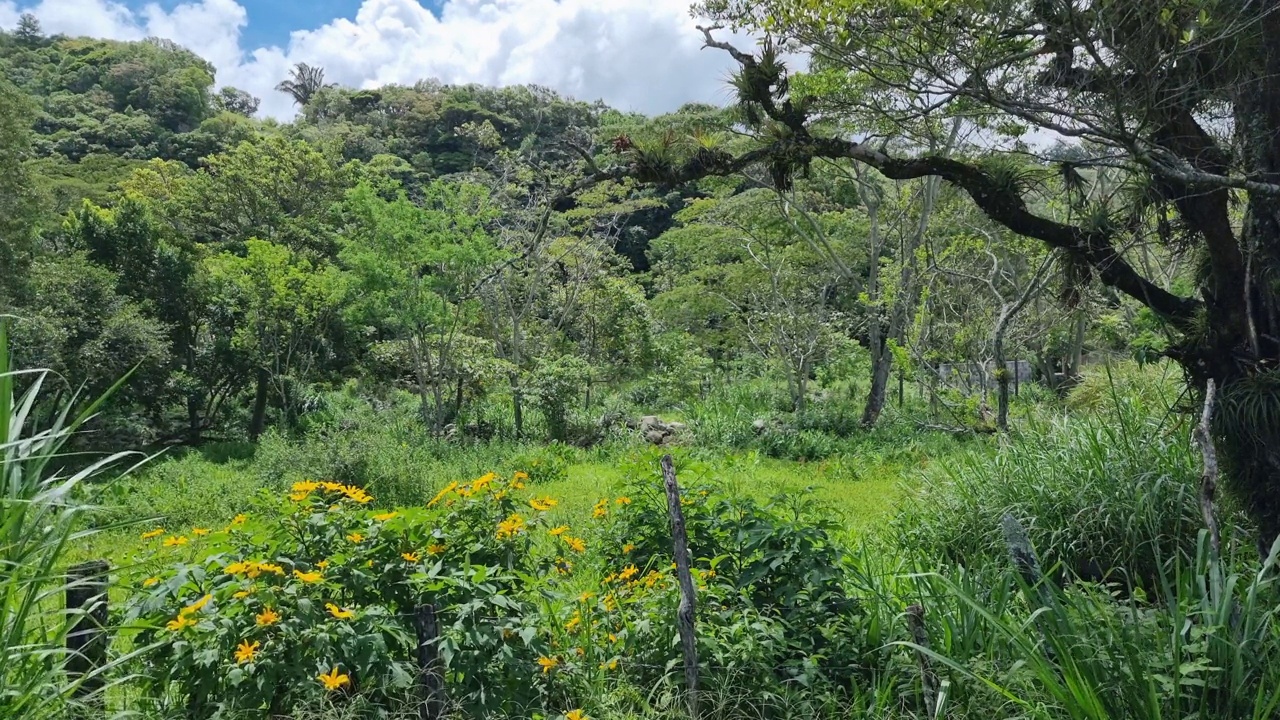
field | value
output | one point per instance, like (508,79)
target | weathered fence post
(685,614)
(430,674)
(928,678)
(1209,476)
(1028,565)
(87,640)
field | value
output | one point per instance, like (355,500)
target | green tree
(1140,80)
(18,204)
(415,271)
(234,100)
(274,189)
(285,304)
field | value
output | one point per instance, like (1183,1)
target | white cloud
(635,54)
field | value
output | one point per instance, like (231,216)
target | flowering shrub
(319,604)
(772,596)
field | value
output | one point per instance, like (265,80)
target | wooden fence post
(1028,565)
(928,678)
(430,674)
(685,614)
(87,641)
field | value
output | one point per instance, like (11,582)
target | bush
(318,605)
(774,574)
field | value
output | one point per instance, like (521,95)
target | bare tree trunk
(258,421)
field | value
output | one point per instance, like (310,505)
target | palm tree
(305,81)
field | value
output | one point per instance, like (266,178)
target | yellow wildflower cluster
(152,534)
(548,664)
(175,541)
(601,509)
(302,490)
(558,531)
(267,617)
(252,568)
(308,577)
(575,544)
(510,527)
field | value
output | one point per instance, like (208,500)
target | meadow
(286,579)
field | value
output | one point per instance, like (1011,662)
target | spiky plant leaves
(38,518)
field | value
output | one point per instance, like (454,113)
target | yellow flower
(198,605)
(558,531)
(576,544)
(267,617)
(601,509)
(573,623)
(576,715)
(626,549)
(440,495)
(542,504)
(338,612)
(150,581)
(308,577)
(268,567)
(630,572)
(611,665)
(356,538)
(332,680)
(547,663)
(332,486)
(509,527)
(242,594)
(175,541)
(239,519)
(298,496)
(323,564)
(435,548)
(613,638)
(179,623)
(356,494)
(483,482)
(199,532)
(305,487)
(624,500)
(609,603)
(246,650)
(385,516)
(520,475)
(410,557)
(152,534)
(586,596)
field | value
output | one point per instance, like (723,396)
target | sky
(642,55)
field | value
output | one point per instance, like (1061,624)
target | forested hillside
(928,355)
(423,237)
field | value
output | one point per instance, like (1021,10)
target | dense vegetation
(418,345)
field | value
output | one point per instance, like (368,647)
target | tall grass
(38,520)
(1100,494)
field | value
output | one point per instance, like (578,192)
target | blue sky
(642,55)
